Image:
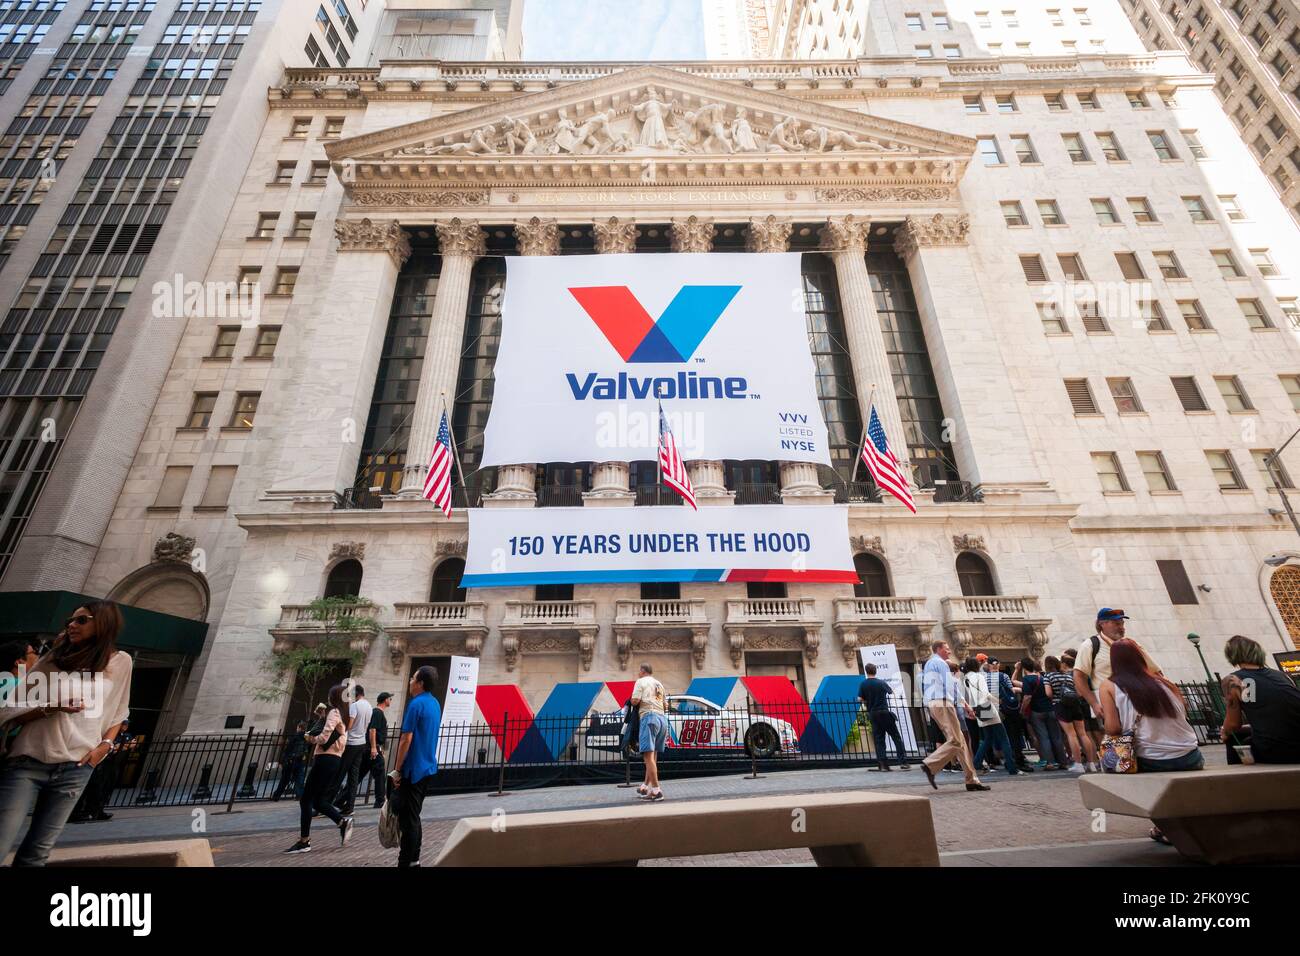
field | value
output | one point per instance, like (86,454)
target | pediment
(612,127)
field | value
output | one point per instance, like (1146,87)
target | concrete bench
(1224,815)
(841,829)
(156,853)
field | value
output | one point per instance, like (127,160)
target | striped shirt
(1062,684)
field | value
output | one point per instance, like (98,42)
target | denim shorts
(654,732)
(1192,760)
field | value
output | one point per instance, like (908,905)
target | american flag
(437,484)
(674,469)
(882,464)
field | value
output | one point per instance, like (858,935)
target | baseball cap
(383,697)
(1112,614)
(982,658)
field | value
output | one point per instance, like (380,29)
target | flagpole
(455,454)
(871,403)
(659,461)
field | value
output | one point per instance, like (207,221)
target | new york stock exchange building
(1061,458)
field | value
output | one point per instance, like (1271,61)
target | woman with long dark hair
(69,709)
(318,792)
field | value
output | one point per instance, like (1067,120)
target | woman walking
(1071,712)
(75,700)
(318,792)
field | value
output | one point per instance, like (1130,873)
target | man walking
(648,696)
(377,738)
(357,749)
(416,761)
(941,699)
(874,693)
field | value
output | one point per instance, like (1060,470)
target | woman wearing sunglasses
(61,739)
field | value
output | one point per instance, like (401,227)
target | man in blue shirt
(417,760)
(874,693)
(942,699)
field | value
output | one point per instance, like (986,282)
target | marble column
(845,241)
(461,243)
(990,444)
(535,237)
(610,479)
(330,400)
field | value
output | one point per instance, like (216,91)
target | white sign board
(512,547)
(885,657)
(458,712)
(589,342)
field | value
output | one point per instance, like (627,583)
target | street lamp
(1270,461)
(1196,643)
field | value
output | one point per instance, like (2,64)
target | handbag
(390,827)
(1117,753)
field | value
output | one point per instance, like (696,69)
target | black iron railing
(757,493)
(559,496)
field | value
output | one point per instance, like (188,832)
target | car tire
(761,741)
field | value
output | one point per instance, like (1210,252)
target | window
(1072,266)
(1024,150)
(344,578)
(302,223)
(266,225)
(319,173)
(1290,312)
(914,23)
(1193,315)
(301,127)
(445,587)
(1291,385)
(1154,315)
(1137,100)
(1141,209)
(201,410)
(1234,395)
(1189,393)
(1005,103)
(1277,475)
(1082,14)
(1256,318)
(1011,18)
(1014,214)
(224,347)
(284,172)
(1055,17)
(249,277)
(1080,394)
(1224,470)
(982,19)
(1074,147)
(1104,210)
(245,410)
(1088,101)
(285,279)
(1050,212)
(1094,323)
(1280,64)
(1177,583)
(1055,102)
(1156,471)
(267,338)
(974,575)
(1169,265)
(1277,127)
(973,104)
(1197,209)
(172,489)
(1109,472)
(333,127)
(940,21)
(315,55)
(1264,262)
(951,51)
(217,493)
(1227,263)
(1110,147)
(1232,209)
(1160,143)
(873,579)
(1126,400)
(990,155)
(1261,147)
(1130,266)
(1033,268)
(924,53)
(1049,313)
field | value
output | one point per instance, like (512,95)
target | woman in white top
(69,709)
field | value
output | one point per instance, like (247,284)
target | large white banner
(511,547)
(885,657)
(587,342)
(458,712)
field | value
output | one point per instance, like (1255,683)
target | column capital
(538,237)
(461,237)
(938,230)
(845,234)
(692,234)
(614,235)
(770,234)
(366,235)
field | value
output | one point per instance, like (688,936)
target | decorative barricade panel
(834,714)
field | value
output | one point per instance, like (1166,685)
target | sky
(613,30)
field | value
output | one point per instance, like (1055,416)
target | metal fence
(525,751)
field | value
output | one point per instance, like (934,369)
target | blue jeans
(49,791)
(1192,760)
(994,737)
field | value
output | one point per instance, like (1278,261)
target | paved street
(1028,821)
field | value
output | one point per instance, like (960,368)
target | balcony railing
(660,612)
(549,613)
(950,491)
(757,493)
(770,611)
(857,491)
(657,495)
(303,617)
(999,608)
(355,498)
(559,496)
(878,610)
(449,615)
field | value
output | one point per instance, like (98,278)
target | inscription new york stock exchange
(618,197)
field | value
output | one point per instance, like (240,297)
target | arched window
(344,579)
(873,578)
(975,575)
(446,582)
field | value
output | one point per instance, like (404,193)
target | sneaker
(345,830)
(656,794)
(1076,767)
(978,786)
(645,795)
(642,790)
(1043,765)
(302,846)
(906,766)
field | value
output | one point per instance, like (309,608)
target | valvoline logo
(676,334)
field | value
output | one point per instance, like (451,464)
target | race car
(696,724)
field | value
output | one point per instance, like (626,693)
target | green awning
(32,613)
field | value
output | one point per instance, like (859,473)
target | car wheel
(761,741)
